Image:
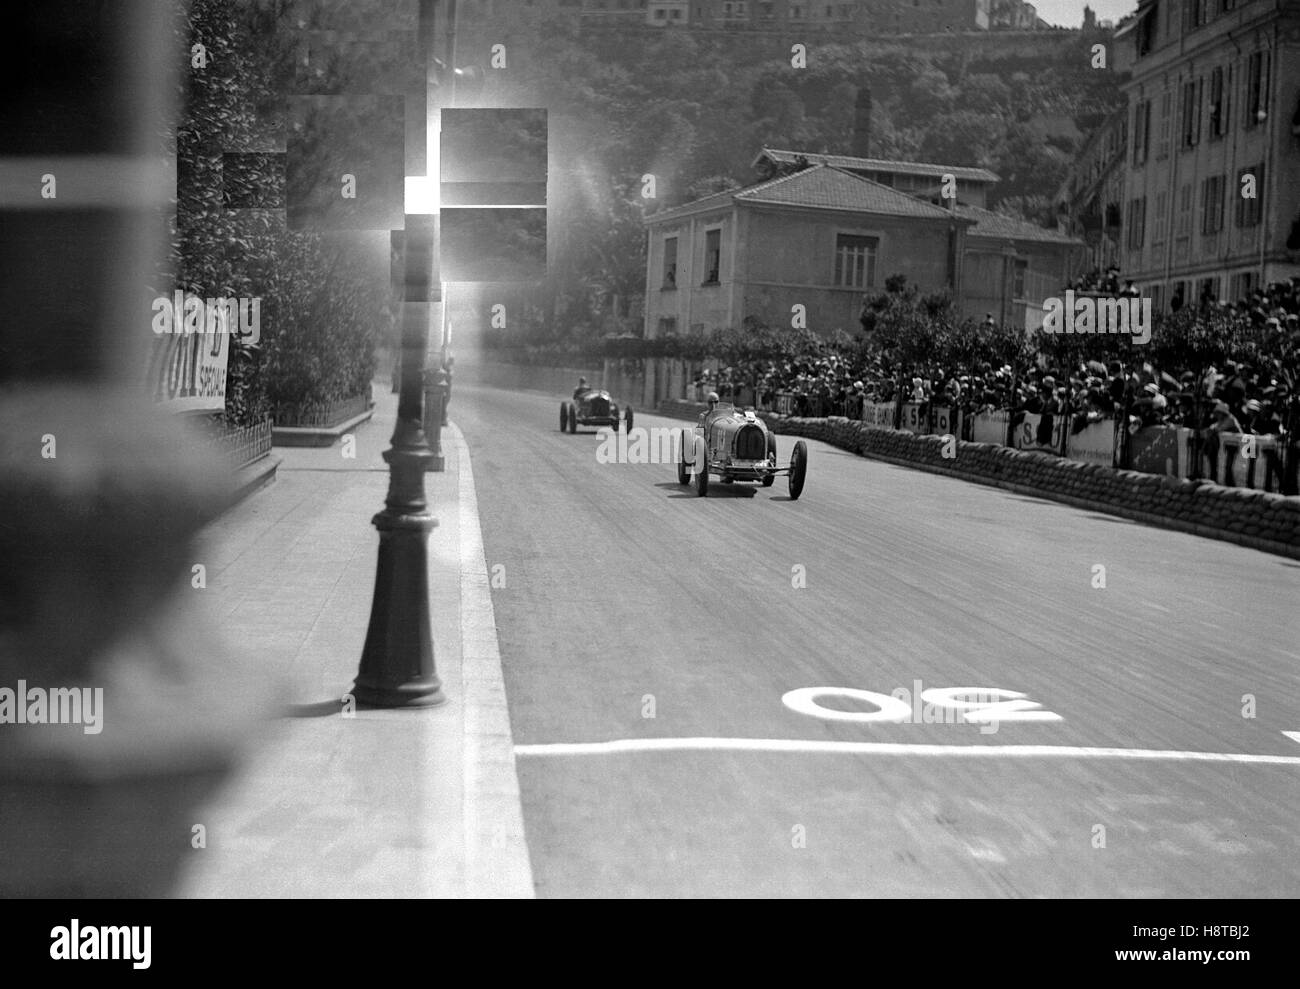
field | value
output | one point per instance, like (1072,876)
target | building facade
(1010,266)
(821,238)
(1212,172)
(824,237)
(1090,200)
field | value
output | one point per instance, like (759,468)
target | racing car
(592,407)
(736,445)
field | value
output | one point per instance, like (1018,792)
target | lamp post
(397,661)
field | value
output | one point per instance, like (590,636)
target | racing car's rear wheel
(798,468)
(771,455)
(627,417)
(573,418)
(564,415)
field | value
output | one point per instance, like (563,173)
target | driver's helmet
(713,398)
(581,382)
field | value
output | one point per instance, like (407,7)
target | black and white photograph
(651,450)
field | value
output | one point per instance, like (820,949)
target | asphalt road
(634,612)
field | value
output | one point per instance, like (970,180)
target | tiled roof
(964,172)
(819,187)
(829,188)
(713,201)
(990,224)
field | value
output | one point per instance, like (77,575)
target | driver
(582,386)
(713,400)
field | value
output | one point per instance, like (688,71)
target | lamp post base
(397,663)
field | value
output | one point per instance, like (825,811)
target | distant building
(1010,266)
(824,231)
(1090,201)
(853,18)
(1212,105)
(820,238)
(1014,15)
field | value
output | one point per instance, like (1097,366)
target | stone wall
(1262,521)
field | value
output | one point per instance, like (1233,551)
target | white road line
(496,853)
(638,745)
(1293,735)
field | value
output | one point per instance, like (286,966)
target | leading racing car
(736,445)
(592,407)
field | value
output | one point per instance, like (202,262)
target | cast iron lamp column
(397,662)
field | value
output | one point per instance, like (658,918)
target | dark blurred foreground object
(96,593)
(100,496)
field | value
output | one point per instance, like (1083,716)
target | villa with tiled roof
(812,243)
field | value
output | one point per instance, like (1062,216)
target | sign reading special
(190,350)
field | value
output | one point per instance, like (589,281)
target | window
(1212,204)
(1184,227)
(1162,218)
(1198,13)
(712,256)
(1018,280)
(1137,222)
(1146,33)
(1166,116)
(670,262)
(1256,89)
(1242,285)
(667,326)
(1250,210)
(1192,113)
(1141,124)
(855,260)
(1157,298)
(1218,104)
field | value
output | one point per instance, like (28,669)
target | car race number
(974,705)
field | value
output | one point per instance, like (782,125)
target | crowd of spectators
(1237,397)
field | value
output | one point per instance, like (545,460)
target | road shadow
(742,492)
(322,709)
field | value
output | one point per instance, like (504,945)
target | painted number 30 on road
(974,705)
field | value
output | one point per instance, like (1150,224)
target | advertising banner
(187,371)
(1094,444)
(878,414)
(991,427)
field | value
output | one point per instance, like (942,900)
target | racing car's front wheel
(564,416)
(798,468)
(770,479)
(699,462)
(573,418)
(685,457)
(701,479)
(627,419)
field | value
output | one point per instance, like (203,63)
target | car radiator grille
(751,443)
(598,407)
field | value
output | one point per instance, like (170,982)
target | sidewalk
(405,803)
